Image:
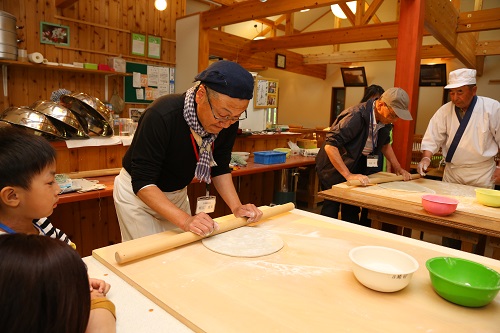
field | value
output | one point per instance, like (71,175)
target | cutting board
(308,286)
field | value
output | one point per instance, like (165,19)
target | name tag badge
(205,204)
(372,161)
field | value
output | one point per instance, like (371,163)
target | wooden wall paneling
(66,218)
(114,235)
(113,36)
(89,219)
(36,81)
(63,158)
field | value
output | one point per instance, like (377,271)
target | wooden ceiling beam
(254,9)
(328,37)
(488,48)
(481,20)
(233,47)
(427,52)
(441,19)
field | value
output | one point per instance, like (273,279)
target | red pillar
(411,25)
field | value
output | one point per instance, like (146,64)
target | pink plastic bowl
(439,205)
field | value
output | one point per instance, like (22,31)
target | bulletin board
(266,93)
(149,88)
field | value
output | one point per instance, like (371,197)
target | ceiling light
(339,13)
(263,0)
(304,10)
(160,4)
(258,33)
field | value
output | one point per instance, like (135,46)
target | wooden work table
(307,286)
(471,222)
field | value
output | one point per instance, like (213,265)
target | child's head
(44,285)
(27,174)
(22,156)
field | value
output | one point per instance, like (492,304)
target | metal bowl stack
(91,112)
(62,118)
(31,120)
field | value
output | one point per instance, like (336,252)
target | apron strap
(461,129)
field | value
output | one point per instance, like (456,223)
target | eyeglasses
(218,117)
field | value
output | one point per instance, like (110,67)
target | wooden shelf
(60,68)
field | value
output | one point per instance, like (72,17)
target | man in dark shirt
(352,145)
(181,137)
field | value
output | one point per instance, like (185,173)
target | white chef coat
(477,147)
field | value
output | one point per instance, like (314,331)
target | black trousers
(349,213)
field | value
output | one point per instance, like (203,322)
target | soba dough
(244,242)
(406,187)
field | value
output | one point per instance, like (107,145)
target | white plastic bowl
(382,268)
(243,154)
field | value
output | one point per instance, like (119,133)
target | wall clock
(280,61)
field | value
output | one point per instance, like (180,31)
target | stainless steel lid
(65,121)
(31,119)
(98,117)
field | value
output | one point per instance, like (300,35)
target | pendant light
(161,4)
(261,29)
(337,11)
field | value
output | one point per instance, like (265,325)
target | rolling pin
(379,180)
(124,256)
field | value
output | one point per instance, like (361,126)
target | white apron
(136,219)
(478,174)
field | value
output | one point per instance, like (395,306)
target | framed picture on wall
(265,93)
(51,33)
(433,75)
(354,76)
(138,47)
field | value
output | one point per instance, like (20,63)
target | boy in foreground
(29,193)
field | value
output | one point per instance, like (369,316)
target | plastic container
(463,282)
(488,197)
(382,268)
(439,205)
(269,157)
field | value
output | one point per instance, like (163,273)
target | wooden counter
(308,286)
(251,168)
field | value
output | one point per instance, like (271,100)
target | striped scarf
(206,160)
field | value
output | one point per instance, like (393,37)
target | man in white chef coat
(467,129)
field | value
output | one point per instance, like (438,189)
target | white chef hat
(461,77)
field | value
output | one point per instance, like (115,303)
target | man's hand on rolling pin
(356,176)
(200,224)
(402,172)
(423,165)
(249,210)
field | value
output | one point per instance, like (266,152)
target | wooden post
(411,22)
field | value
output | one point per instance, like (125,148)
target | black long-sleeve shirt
(162,152)
(349,133)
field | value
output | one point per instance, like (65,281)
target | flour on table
(244,242)
(406,187)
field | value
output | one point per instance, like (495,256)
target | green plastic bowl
(463,282)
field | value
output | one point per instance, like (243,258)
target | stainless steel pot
(90,109)
(8,36)
(65,121)
(7,21)
(33,120)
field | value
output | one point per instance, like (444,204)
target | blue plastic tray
(269,157)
